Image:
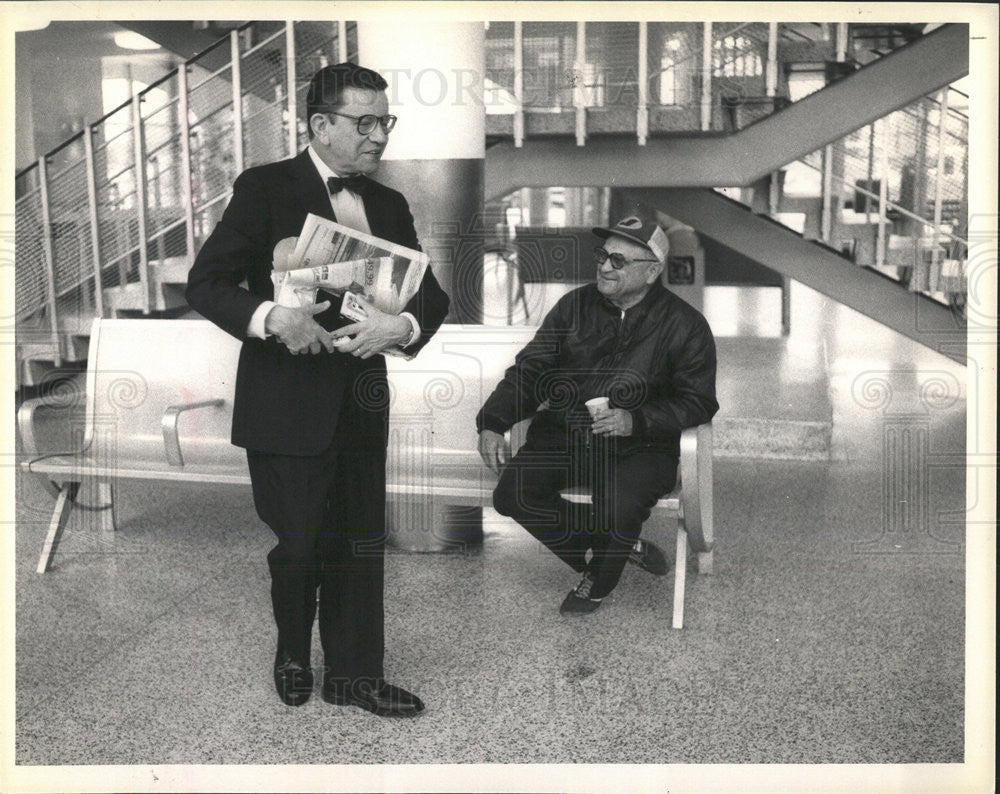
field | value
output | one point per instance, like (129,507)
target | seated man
(630,340)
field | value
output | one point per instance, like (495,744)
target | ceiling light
(130,40)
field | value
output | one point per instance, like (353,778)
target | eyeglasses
(367,122)
(618,261)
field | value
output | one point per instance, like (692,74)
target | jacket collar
(653,294)
(310,189)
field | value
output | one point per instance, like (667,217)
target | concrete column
(435,158)
(436,152)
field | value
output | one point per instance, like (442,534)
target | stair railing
(698,77)
(930,254)
(99,218)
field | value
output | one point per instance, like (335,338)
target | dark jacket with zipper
(655,360)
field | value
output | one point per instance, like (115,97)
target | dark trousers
(328,512)
(624,488)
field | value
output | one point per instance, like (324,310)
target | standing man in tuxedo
(313,415)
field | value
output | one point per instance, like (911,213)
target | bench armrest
(696,485)
(26,422)
(171,438)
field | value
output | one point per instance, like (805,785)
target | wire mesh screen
(898,157)
(498,80)
(26,181)
(69,152)
(549,60)
(316,46)
(164,172)
(117,209)
(500,56)
(352,41)
(71,245)
(739,59)
(259,32)
(264,94)
(610,72)
(75,308)
(30,288)
(949,172)
(908,142)
(213,167)
(674,63)
(869,42)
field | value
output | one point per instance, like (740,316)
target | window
(736,56)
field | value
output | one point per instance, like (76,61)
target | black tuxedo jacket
(289,404)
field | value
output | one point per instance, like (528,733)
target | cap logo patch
(632,222)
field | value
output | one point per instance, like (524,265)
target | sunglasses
(618,261)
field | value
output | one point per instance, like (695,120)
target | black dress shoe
(293,681)
(384,700)
(649,557)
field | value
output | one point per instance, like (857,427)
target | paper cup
(597,406)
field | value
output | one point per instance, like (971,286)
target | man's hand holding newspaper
(296,329)
(379,332)
(374,277)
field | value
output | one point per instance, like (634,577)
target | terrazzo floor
(832,630)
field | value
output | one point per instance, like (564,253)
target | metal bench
(158,406)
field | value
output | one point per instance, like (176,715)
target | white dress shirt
(349,210)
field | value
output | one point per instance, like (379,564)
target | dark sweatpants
(624,487)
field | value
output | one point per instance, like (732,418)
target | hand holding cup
(608,421)
(597,406)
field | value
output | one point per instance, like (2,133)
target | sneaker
(578,601)
(649,557)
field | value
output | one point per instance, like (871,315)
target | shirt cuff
(416,328)
(257,328)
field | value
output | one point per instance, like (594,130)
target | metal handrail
(263,42)
(209,77)
(124,151)
(890,204)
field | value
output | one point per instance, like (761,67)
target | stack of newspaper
(334,258)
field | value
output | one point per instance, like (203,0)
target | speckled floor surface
(831,631)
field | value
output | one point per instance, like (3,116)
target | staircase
(109,221)
(713,160)
(814,264)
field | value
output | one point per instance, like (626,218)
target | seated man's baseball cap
(646,233)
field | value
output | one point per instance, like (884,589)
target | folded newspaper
(298,287)
(338,259)
(391,273)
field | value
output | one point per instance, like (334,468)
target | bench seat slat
(75,467)
(437,482)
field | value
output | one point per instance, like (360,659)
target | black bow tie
(356,184)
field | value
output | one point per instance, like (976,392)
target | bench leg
(705,562)
(106,506)
(680,576)
(60,515)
